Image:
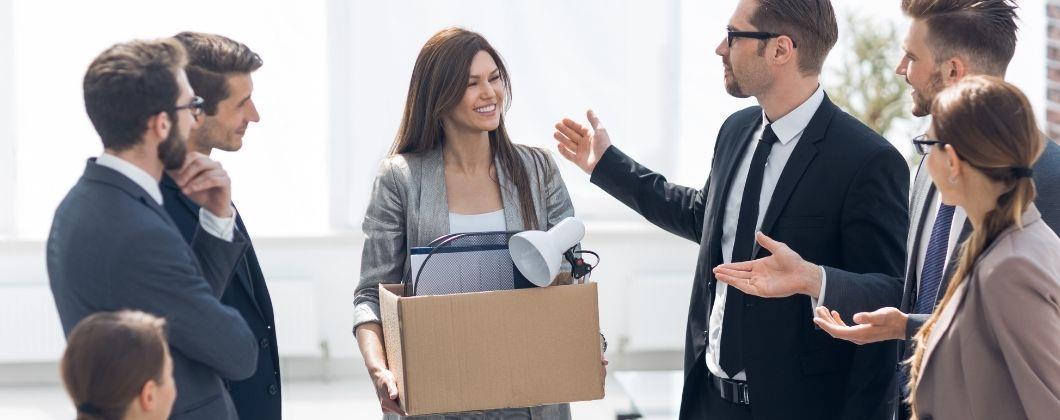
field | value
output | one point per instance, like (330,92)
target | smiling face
(483,101)
(746,72)
(225,129)
(919,69)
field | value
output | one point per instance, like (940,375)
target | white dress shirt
(219,227)
(789,130)
(956,225)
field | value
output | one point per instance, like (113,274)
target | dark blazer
(840,201)
(257,397)
(113,247)
(846,291)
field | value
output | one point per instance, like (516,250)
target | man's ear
(159,125)
(954,69)
(147,400)
(784,50)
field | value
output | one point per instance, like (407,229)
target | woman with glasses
(453,168)
(990,349)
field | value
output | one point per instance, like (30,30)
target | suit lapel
(800,159)
(955,255)
(923,190)
(730,162)
(434,206)
(513,216)
(242,271)
(728,158)
(940,327)
(789,178)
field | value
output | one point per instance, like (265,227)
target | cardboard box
(488,350)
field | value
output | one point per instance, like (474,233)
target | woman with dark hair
(117,367)
(989,350)
(452,169)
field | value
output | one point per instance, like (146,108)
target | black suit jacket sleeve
(677,209)
(218,257)
(160,277)
(913,324)
(874,228)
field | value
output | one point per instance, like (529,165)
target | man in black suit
(801,170)
(946,41)
(112,246)
(219,69)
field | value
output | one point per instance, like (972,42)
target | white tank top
(486,222)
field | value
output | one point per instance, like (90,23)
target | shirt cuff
(814,303)
(220,227)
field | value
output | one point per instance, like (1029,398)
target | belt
(736,392)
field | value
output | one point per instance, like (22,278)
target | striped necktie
(934,261)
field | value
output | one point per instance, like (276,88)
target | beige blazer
(408,208)
(995,351)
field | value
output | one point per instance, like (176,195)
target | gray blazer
(408,208)
(993,353)
(113,247)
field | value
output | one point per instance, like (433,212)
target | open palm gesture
(580,145)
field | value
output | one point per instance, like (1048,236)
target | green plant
(865,85)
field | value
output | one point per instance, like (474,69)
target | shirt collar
(790,126)
(133,172)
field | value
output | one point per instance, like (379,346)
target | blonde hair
(990,124)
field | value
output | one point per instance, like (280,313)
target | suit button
(264,343)
(273,389)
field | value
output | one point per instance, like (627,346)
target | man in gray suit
(112,246)
(947,41)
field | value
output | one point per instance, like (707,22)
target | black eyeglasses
(195,106)
(923,144)
(762,36)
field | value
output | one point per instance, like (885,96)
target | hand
(879,325)
(580,146)
(386,390)
(206,183)
(779,275)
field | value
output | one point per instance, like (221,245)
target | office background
(331,94)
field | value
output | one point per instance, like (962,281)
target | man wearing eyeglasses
(219,69)
(795,167)
(945,42)
(112,246)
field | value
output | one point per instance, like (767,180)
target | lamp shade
(538,255)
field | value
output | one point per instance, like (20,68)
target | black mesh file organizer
(465,263)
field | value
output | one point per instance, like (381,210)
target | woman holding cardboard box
(451,169)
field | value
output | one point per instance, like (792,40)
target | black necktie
(731,357)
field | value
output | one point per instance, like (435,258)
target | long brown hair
(990,124)
(439,80)
(109,357)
